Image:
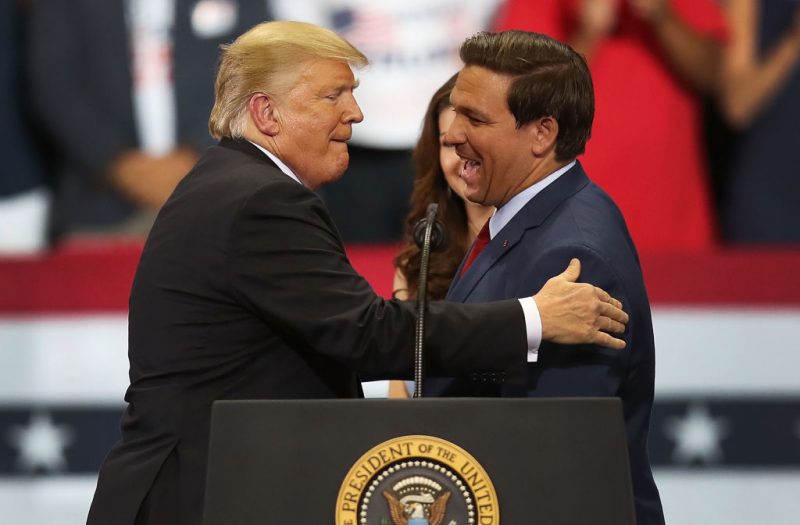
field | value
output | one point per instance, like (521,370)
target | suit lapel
(531,216)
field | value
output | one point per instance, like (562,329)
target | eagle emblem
(417,501)
(417,480)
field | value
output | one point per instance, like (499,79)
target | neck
(477,215)
(266,142)
(539,171)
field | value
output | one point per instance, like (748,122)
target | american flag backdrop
(725,436)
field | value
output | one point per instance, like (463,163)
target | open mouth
(469,170)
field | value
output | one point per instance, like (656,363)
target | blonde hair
(260,59)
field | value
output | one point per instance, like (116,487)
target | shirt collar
(278,162)
(505,213)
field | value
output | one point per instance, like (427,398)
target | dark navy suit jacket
(572,217)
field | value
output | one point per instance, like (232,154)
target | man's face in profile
(316,117)
(497,155)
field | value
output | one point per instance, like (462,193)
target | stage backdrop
(726,427)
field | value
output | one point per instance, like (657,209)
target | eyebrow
(340,88)
(468,111)
(471,112)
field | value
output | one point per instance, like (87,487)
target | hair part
(263,60)
(549,79)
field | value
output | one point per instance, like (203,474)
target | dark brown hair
(549,79)
(431,186)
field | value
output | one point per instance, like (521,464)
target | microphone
(438,235)
(429,236)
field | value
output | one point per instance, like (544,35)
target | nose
(353,114)
(455,133)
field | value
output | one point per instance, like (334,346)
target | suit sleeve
(601,369)
(288,266)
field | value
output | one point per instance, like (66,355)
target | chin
(331,177)
(341,166)
(475,197)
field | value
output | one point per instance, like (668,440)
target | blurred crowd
(104,107)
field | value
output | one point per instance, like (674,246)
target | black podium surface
(551,461)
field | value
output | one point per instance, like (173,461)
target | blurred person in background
(123,89)
(23,194)
(412,46)
(760,95)
(649,59)
(437,180)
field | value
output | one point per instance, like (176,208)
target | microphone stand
(433,233)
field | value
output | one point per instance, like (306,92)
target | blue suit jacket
(572,217)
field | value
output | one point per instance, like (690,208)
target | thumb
(573,271)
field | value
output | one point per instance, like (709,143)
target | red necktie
(477,247)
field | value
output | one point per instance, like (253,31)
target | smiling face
(316,117)
(498,159)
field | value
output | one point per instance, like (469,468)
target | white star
(697,435)
(41,444)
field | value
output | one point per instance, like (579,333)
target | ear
(543,134)
(262,111)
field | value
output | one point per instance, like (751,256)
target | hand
(598,18)
(650,10)
(147,180)
(398,390)
(577,313)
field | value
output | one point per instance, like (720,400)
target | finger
(573,271)
(603,339)
(614,302)
(602,294)
(611,311)
(611,326)
(606,298)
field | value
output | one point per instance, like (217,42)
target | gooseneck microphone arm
(428,235)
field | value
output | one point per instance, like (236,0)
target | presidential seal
(417,480)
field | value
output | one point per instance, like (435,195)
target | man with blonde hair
(244,290)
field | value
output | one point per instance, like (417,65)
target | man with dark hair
(524,108)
